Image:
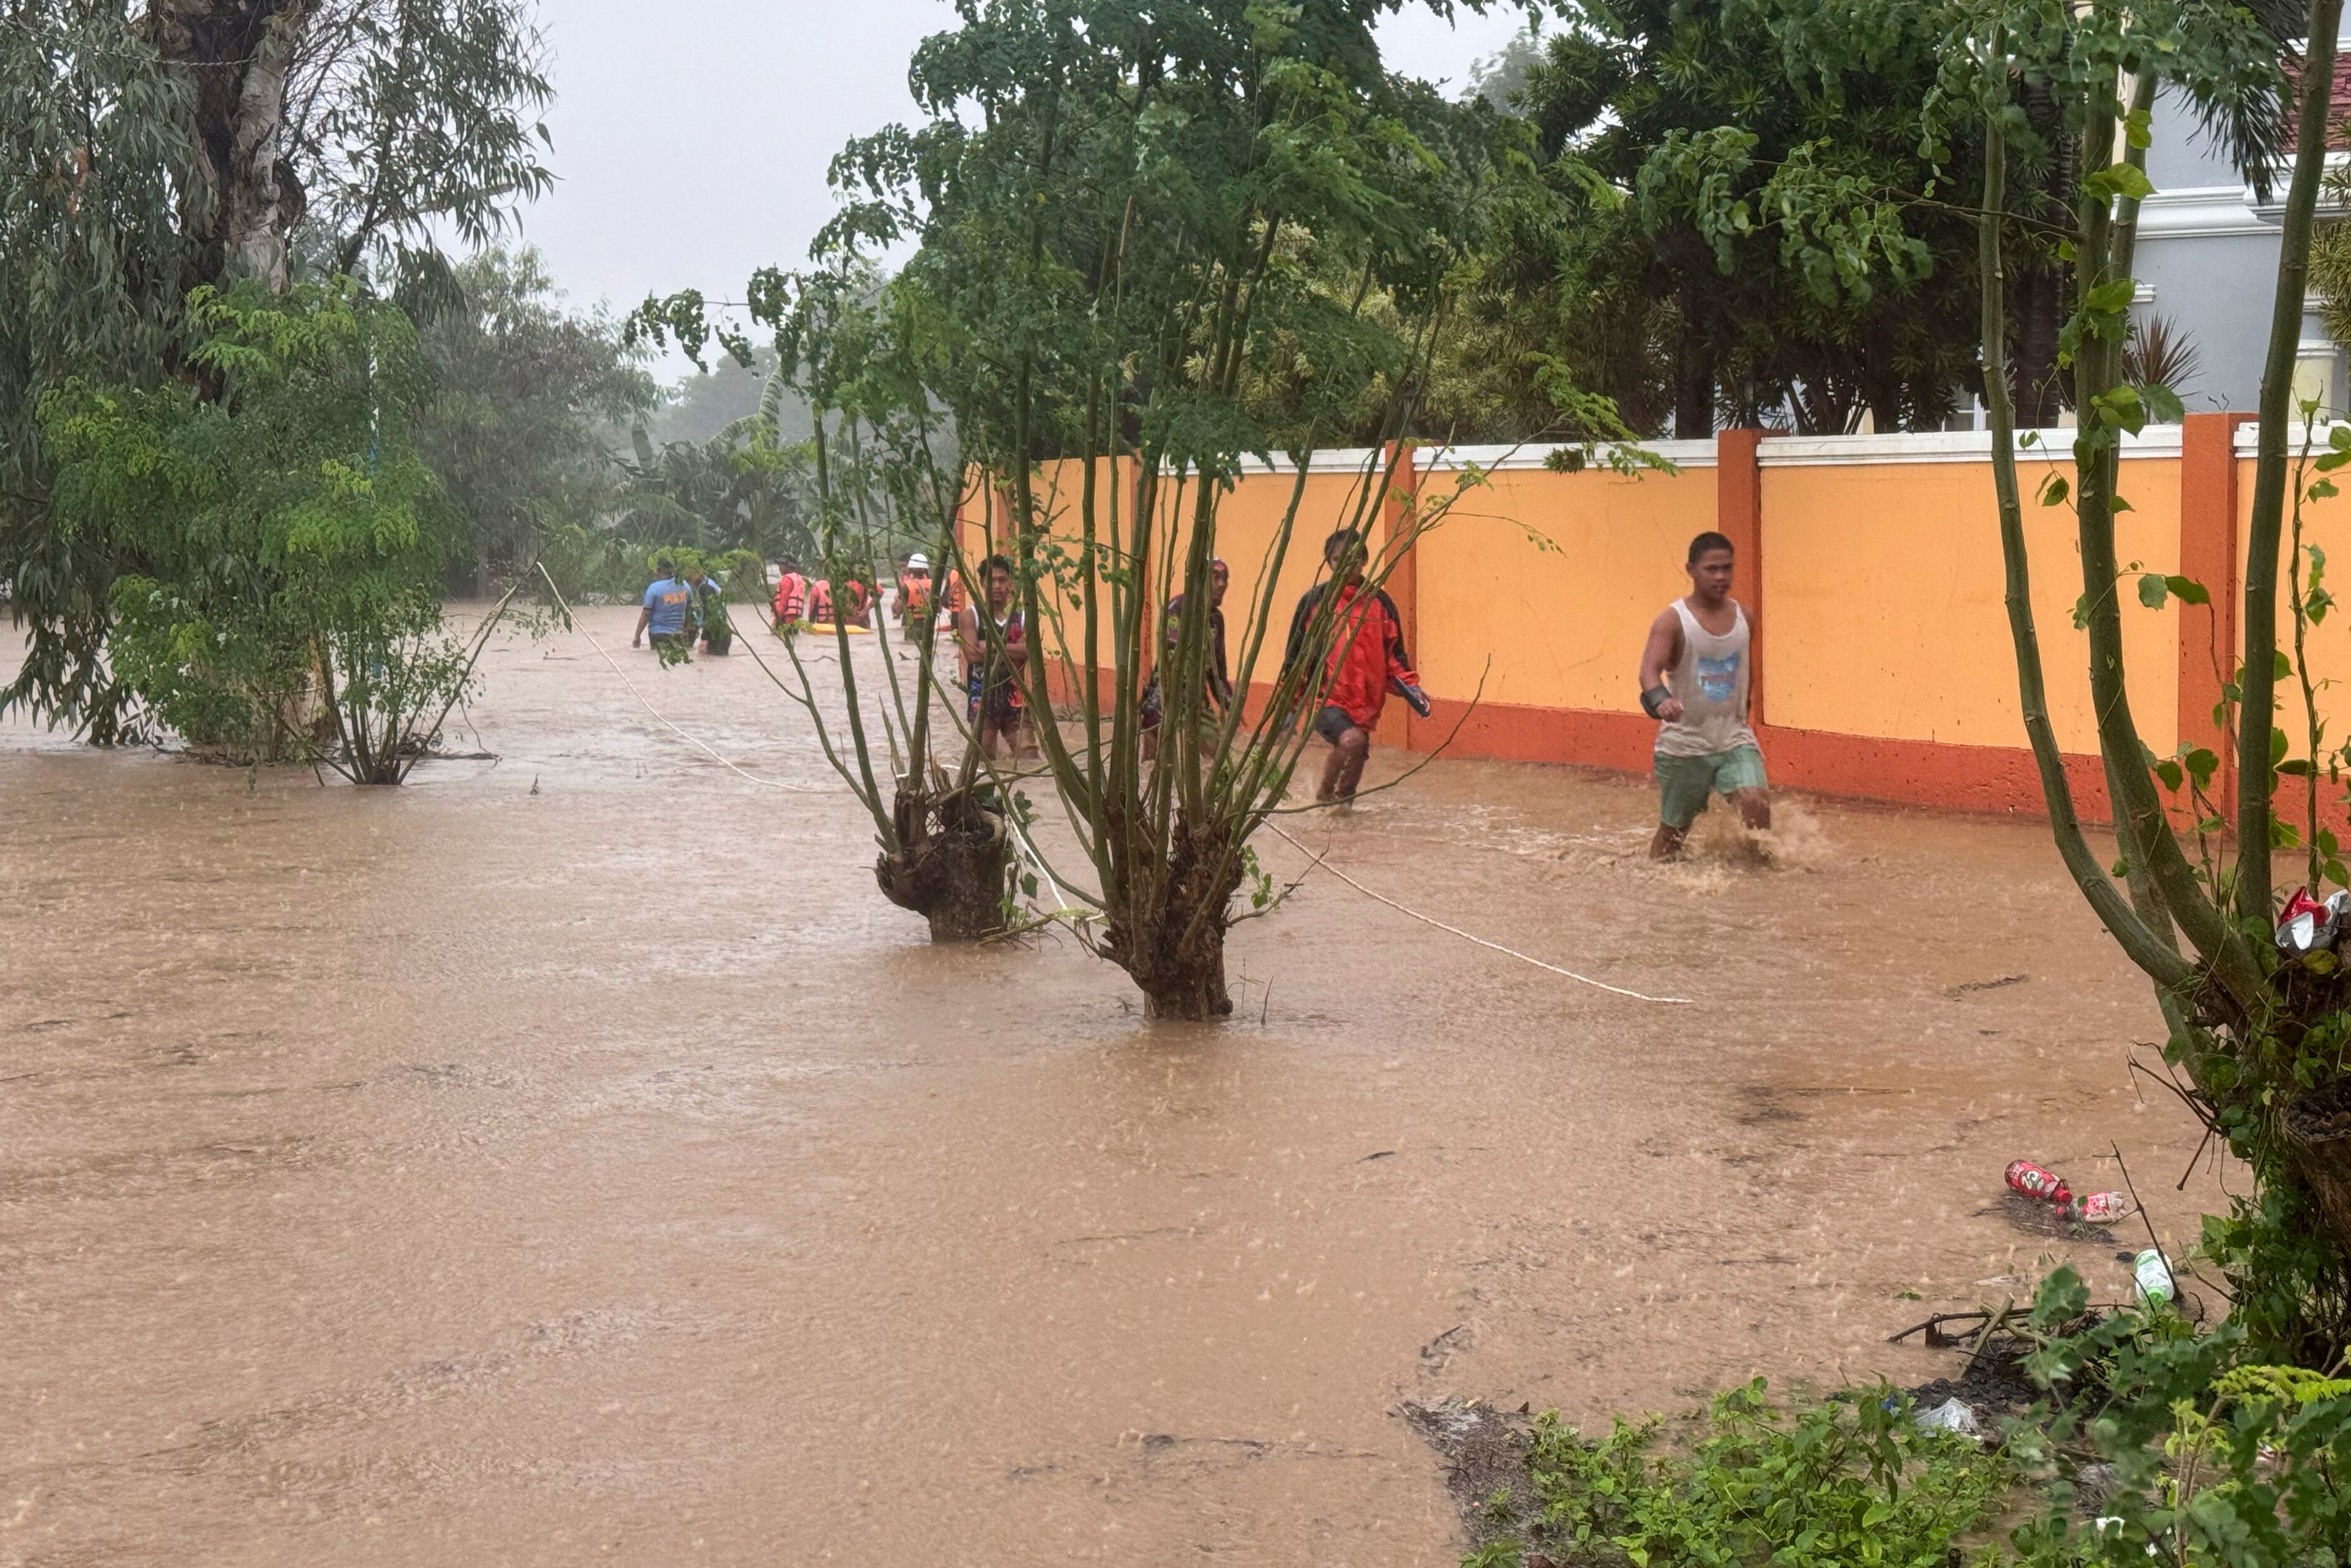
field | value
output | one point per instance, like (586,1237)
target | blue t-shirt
(667,600)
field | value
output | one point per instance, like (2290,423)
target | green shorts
(1684,782)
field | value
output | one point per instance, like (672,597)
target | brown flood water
(575,1159)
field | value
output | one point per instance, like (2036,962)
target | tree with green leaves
(146,152)
(1130,222)
(291,539)
(1678,282)
(852,351)
(2256,1028)
(2254,1031)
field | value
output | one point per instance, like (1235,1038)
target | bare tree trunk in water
(1178,959)
(235,56)
(951,866)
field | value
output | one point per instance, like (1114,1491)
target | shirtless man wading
(1694,680)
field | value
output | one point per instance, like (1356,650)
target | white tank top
(1711,678)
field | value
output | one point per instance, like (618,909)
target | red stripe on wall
(1855,767)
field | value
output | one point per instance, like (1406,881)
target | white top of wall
(2249,438)
(1775,451)
(1360,460)
(1945,446)
(2201,212)
(1680,453)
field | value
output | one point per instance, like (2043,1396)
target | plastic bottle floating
(2099,1208)
(2036,1181)
(2091,1208)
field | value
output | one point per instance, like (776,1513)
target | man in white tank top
(1695,675)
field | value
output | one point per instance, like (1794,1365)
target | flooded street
(573,1157)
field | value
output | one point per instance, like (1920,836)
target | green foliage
(1171,237)
(403,120)
(517,430)
(289,539)
(93,150)
(1744,220)
(1838,1484)
(411,119)
(2215,1456)
(2201,1454)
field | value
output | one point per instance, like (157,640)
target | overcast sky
(691,138)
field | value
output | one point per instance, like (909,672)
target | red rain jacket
(1368,651)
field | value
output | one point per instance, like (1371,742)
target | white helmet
(918,561)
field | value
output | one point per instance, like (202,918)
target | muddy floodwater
(570,1157)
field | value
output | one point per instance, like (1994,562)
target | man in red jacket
(1367,659)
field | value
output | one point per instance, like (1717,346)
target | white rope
(1315,860)
(1037,862)
(577,626)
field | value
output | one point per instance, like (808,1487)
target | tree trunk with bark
(235,56)
(2040,317)
(1693,385)
(952,865)
(1177,960)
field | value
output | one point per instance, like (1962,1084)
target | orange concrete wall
(1884,661)
(1250,519)
(2326,523)
(1543,585)
(1249,523)
(1886,603)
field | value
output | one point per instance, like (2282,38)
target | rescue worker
(843,598)
(667,602)
(1367,660)
(791,595)
(857,599)
(990,664)
(915,598)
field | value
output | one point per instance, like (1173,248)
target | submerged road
(574,1159)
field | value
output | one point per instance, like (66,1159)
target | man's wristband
(1653,699)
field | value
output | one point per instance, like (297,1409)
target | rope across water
(1470,936)
(1037,862)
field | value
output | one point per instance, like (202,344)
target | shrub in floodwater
(2157,1442)
(291,543)
(1842,1483)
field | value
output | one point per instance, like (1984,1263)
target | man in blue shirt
(667,602)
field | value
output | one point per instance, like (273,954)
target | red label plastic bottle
(2034,1182)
